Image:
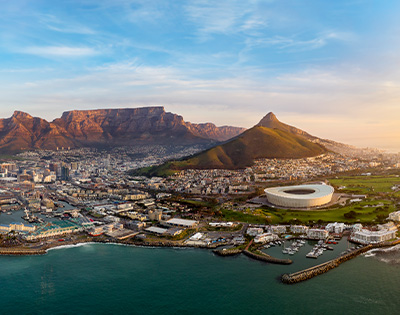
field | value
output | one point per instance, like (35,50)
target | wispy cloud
(224,17)
(57,24)
(298,43)
(59,51)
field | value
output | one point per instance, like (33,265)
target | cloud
(54,23)
(59,51)
(326,102)
(296,43)
(224,17)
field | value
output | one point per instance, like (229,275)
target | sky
(331,68)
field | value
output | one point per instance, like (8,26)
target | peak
(268,120)
(19,114)
(270,116)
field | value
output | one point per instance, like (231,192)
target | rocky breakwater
(228,251)
(259,255)
(21,251)
(322,268)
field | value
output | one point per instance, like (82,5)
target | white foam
(72,246)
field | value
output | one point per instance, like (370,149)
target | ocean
(116,279)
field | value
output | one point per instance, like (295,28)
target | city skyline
(327,68)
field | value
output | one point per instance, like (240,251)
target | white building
(335,227)
(278,229)
(253,231)
(356,227)
(394,216)
(18,227)
(372,237)
(222,224)
(298,229)
(265,237)
(300,196)
(318,234)
(182,222)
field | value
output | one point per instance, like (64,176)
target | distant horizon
(326,67)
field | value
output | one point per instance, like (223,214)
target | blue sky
(329,67)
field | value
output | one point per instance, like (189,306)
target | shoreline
(25,251)
(292,278)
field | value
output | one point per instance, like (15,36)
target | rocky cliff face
(106,127)
(23,132)
(209,130)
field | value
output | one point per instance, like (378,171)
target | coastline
(24,251)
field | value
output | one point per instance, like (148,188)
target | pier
(312,272)
(259,255)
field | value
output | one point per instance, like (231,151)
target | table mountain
(106,128)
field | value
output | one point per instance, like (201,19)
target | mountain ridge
(106,128)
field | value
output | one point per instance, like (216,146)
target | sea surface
(116,279)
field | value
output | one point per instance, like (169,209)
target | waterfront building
(356,227)
(278,229)
(299,229)
(336,228)
(253,231)
(52,229)
(372,237)
(265,237)
(18,227)
(318,234)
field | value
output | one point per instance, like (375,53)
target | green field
(367,185)
(372,214)
(241,216)
(380,201)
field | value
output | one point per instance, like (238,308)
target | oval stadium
(300,196)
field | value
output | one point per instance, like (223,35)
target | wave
(390,255)
(72,245)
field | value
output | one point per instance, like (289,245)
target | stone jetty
(227,251)
(259,255)
(322,268)
(21,252)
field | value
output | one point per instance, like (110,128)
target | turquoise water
(112,279)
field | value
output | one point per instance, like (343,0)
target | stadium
(300,196)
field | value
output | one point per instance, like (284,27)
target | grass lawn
(240,216)
(366,184)
(362,214)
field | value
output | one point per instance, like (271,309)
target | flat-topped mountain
(106,128)
(268,139)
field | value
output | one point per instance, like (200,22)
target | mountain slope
(240,152)
(270,121)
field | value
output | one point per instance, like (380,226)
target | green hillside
(257,142)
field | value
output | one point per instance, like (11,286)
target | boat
(311,255)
